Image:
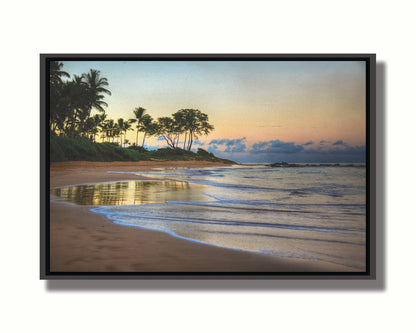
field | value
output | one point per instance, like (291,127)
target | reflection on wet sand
(130,193)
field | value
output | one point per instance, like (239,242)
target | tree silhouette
(56,102)
(147,126)
(166,128)
(56,73)
(124,126)
(73,100)
(192,122)
(139,112)
(95,90)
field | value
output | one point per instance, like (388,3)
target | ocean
(306,211)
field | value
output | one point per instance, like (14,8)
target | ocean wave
(179,213)
(315,212)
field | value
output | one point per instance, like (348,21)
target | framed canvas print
(207,166)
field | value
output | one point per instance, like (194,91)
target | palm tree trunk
(137,137)
(144,137)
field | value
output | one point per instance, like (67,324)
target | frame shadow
(281,285)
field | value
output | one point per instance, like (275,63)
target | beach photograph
(215,166)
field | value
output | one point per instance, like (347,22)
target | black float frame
(369,274)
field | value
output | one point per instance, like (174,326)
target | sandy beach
(82,241)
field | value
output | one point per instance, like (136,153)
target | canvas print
(206,165)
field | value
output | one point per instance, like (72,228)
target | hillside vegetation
(69,149)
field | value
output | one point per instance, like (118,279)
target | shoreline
(84,241)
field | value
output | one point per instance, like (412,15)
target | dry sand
(82,241)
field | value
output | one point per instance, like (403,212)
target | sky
(262,111)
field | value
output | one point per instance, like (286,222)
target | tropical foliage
(77,110)
(191,123)
(139,112)
(68,149)
(72,102)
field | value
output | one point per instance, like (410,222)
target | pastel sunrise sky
(262,111)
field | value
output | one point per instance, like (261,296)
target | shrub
(138,148)
(203,152)
(68,149)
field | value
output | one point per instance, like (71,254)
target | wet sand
(82,241)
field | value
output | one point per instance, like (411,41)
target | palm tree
(68,115)
(79,105)
(93,123)
(55,72)
(105,128)
(148,127)
(138,112)
(111,129)
(95,90)
(127,126)
(120,123)
(57,107)
(124,126)
(115,131)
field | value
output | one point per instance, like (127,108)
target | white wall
(32,27)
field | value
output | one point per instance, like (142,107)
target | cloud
(238,148)
(229,145)
(277,150)
(227,142)
(261,145)
(213,149)
(339,143)
(308,143)
(276,147)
